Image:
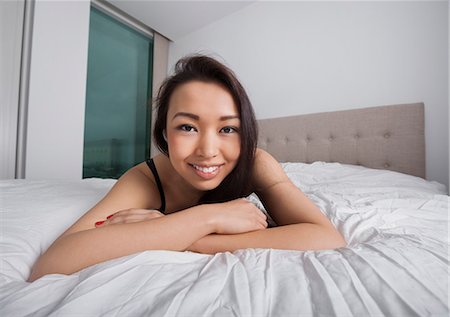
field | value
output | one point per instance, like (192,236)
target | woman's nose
(208,146)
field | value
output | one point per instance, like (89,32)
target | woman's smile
(206,172)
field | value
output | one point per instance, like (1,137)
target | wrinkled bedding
(396,262)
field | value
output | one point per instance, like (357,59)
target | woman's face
(203,133)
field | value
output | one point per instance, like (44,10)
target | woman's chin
(205,185)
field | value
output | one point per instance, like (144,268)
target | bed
(364,168)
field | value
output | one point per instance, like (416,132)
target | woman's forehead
(202,98)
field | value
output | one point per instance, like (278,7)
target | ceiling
(176,19)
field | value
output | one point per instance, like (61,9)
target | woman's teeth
(210,169)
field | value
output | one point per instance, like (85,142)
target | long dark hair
(206,69)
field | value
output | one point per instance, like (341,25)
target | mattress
(395,264)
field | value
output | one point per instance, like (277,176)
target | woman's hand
(238,216)
(129,216)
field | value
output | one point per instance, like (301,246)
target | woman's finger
(129,218)
(129,215)
(132,211)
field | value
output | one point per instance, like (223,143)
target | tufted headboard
(385,137)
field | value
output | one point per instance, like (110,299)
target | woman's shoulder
(140,182)
(139,176)
(134,189)
(267,171)
(264,160)
(261,154)
(143,169)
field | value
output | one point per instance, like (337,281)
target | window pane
(118,88)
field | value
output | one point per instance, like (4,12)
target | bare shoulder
(134,189)
(285,202)
(136,183)
(267,171)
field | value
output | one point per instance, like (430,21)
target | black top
(152,167)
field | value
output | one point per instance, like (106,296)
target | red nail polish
(109,216)
(98,223)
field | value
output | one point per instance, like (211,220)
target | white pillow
(35,213)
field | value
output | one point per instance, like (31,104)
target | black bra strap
(152,167)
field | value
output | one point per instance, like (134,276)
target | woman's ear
(165,135)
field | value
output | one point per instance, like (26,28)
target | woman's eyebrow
(224,118)
(197,118)
(186,114)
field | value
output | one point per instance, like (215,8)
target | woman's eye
(187,128)
(229,130)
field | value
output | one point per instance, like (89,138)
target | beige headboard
(385,137)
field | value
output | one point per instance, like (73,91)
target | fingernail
(109,216)
(98,223)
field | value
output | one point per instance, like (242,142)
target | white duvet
(396,262)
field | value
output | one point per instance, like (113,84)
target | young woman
(190,197)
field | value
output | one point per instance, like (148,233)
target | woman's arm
(83,244)
(303,236)
(81,249)
(302,226)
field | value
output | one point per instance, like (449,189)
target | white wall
(305,57)
(11,25)
(57,90)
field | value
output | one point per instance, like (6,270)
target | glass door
(117,117)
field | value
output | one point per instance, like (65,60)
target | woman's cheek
(233,149)
(180,146)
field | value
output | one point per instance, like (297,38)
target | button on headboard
(385,137)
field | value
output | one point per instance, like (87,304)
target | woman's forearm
(81,249)
(303,236)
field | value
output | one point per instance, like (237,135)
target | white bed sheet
(396,262)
